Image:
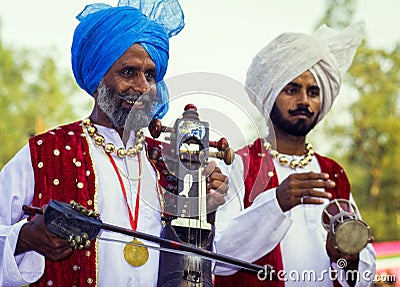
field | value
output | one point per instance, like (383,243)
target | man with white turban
(279,186)
(119,54)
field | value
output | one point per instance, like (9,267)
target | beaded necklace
(284,160)
(110,148)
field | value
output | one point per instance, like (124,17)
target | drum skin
(351,236)
(350,233)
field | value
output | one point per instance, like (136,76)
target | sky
(220,37)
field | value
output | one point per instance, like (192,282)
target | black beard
(300,128)
(111,103)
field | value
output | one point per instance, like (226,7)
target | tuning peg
(222,144)
(228,155)
(156,128)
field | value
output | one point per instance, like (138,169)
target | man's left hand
(335,254)
(217,186)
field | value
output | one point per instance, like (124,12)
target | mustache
(143,97)
(301,110)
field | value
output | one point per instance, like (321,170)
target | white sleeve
(246,234)
(366,269)
(366,266)
(16,189)
(367,262)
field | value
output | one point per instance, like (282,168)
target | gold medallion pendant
(136,253)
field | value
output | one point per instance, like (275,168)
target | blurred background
(38,92)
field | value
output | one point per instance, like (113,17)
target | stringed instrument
(186,211)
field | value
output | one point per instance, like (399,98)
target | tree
(368,143)
(373,151)
(32,98)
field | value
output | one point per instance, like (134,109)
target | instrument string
(189,207)
(200,197)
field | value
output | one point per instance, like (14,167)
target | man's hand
(335,254)
(343,260)
(34,236)
(217,186)
(299,188)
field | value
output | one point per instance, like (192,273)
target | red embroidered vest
(64,171)
(260,175)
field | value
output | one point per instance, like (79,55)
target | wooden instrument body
(187,221)
(185,270)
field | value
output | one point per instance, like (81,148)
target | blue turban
(105,33)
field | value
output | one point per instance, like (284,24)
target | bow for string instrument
(186,211)
(80,226)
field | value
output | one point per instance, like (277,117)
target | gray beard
(111,104)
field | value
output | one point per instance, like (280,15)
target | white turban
(327,55)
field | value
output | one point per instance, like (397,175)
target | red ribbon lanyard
(133,221)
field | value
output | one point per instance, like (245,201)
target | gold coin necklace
(135,252)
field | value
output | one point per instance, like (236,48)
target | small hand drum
(350,233)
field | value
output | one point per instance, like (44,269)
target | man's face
(128,86)
(297,106)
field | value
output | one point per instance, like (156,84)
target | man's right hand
(34,236)
(300,188)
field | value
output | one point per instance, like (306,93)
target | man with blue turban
(119,56)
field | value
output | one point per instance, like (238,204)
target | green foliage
(32,98)
(368,143)
(375,138)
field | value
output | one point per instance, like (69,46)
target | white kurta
(253,232)
(17,188)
